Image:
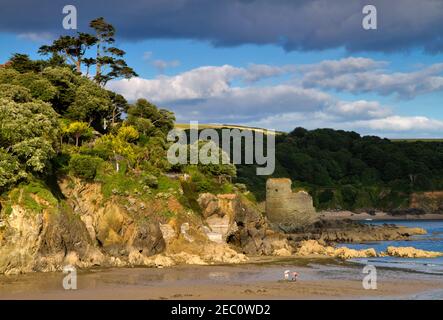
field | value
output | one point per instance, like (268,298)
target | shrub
(202,183)
(84,166)
(128,133)
(15,93)
(150,180)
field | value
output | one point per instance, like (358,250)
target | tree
(39,87)
(22,63)
(84,166)
(89,62)
(107,55)
(91,104)
(149,120)
(66,82)
(117,149)
(10,170)
(119,105)
(71,48)
(8,75)
(22,121)
(28,132)
(77,130)
(74,49)
(34,153)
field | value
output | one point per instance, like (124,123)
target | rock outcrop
(219,213)
(45,241)
(335,231)
(431,202)
(83,231)
(313,247)
(410,252)
(233,219)
(114,228)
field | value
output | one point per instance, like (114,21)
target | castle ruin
(285,207)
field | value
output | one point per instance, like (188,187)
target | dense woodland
(345,170)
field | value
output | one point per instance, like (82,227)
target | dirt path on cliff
(249,281)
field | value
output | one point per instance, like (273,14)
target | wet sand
(326,280)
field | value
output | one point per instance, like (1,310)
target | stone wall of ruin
(285,206)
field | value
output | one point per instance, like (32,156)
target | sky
(273,64)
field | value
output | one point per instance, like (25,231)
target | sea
(432,241)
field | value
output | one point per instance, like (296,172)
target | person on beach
(287,272)
(294,275)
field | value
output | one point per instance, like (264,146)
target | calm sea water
(432,241)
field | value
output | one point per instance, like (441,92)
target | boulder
(410,252)
(313,247)
(168,232)
(334,231)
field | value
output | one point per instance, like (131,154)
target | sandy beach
(318,279)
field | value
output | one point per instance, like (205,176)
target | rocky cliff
(232,218)
(427,202)
(82,227)
(85,229)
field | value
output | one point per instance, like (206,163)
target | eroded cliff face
(86,230)
(233,219)
(45,241)
(115,228)
(82,230)
(427,202)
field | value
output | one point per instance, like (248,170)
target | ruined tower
(286,207)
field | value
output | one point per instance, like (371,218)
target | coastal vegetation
(57,118)
(344,170)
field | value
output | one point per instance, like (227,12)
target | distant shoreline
(339,215)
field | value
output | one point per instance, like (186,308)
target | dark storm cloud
(294,25)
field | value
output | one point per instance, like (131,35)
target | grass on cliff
(34,196)
(125,183)
(116,183)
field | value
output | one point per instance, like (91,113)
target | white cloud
(36,36)
(360,109)
(256,72)
(200,83)
(399,123)
(359,75)
(327,68)
(162,65)
(228,94)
